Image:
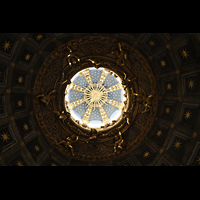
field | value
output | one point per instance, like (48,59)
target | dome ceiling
(173,137)
(94,92)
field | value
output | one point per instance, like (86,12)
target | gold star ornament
(19,103)
(169,86)
(163,63)
(159,133)
(151,43)
(53,164)
(27,57)
(184,53)
(5,137)
(6,45)
(177,144)
(19,163)
(187,115)
(39,37)
(167,110)
(146,154)
(26,127)
(191,84)
(37,148)
(20,79)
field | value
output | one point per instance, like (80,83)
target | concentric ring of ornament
(53,116)
(95,97)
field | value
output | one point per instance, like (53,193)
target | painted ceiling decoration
(98,93)
(85,94)
(110,99)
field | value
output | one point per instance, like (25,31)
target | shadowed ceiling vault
(174,138)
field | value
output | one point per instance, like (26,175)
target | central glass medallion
(95,97)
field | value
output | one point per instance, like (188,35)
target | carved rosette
(105,51)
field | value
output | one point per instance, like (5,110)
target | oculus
(95,97)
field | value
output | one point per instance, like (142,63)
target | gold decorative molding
(55,121)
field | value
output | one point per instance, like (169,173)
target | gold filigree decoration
(71,58)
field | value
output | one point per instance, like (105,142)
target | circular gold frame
(48,98)
(124,105)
